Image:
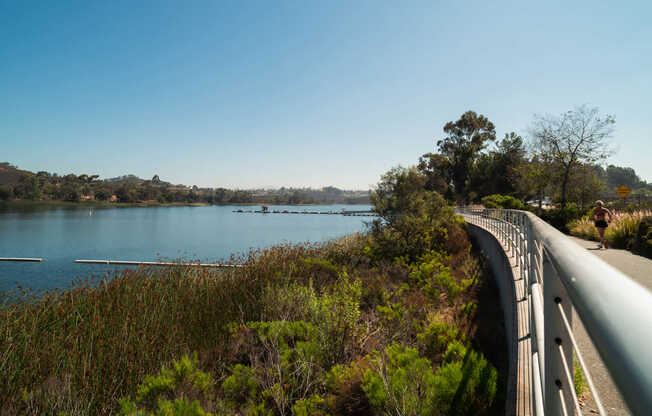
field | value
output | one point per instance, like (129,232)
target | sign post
(623,191)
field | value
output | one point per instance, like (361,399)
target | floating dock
(28,259)
(155,263)
(285,211)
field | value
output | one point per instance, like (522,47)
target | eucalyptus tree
(465,139)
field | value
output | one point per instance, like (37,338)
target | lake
(211,233)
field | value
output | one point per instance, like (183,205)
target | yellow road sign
(623,191)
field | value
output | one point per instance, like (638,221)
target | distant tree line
(45,186)
(561,161)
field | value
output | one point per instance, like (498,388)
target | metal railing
(560,276)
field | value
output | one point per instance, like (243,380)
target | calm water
(61,236)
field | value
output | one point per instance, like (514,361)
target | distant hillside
(126,179)
(46,186)
(135,180)
(9,174)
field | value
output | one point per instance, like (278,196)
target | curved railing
(561,276)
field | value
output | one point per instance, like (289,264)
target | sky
(248,94)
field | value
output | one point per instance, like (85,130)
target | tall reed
(104,338)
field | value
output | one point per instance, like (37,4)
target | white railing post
(521,236)
(538,332)
(530,253)
(513,234)
(558,351)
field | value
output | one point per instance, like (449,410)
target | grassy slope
(83,349)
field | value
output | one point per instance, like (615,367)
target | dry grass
(622,228)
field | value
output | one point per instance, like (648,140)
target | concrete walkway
(639,269)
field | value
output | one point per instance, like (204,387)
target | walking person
(600,214)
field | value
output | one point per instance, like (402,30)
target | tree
(617,176)
(43,177)
(497,172)
(465,139)
(221,195)
(27,187)
(6,192)
(586,185)
(126,193)
(509,155)
(436,168)
(577,136)
(535,177)
(395,190)
(411,220)
(71,192)
(103,193)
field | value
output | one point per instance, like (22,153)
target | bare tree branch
(575,137)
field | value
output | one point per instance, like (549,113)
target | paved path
(639,269)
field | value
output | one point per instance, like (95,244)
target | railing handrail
(615,310)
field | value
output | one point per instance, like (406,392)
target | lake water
(209,234)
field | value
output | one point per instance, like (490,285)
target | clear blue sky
(271,93)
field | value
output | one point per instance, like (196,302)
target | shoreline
(21,204)
(24,204)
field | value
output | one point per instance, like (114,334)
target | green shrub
(311,406)
(622,233)
(287,334)
(178,407)
(469,308)
(466,382)
(560,218)
(336,317)
(400,380)
(411,221)
(287,359)
(179,390)
(344,385)
(642,242)
(430,274)
(395,321)
(241,386)
(437,335)
(502,201)
(289,302)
